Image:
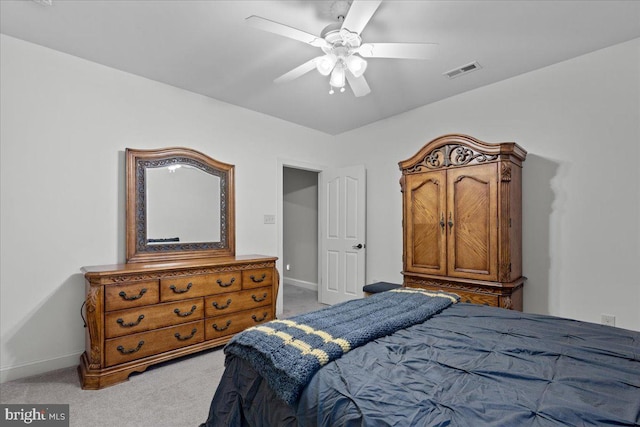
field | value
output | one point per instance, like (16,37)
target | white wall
(65,125)
(580,122)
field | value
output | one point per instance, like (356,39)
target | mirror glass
(180,204)
(176,210)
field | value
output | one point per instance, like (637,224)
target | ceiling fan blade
(359,85)
(359,14)
(297,72)
(284,30)
(398,50)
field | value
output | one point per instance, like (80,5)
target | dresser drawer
(257,278)
(129,295)
(222,304)
(131,347)
(131,321)
(220,326)
(198,286)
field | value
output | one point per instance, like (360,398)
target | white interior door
(341,219)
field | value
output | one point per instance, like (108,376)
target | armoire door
(425,228)
(472,222)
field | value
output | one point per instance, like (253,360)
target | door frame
(294,164)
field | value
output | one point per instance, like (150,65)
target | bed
(461,365)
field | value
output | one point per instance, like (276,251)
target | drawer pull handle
(132,350)
(221,307)
(226,285)
(180,291)
(188,313)
(215,326)
(124,296)
(255,318)
(130,324)
(188,337)
(256,299)
(258,280)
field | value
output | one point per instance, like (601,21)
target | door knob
(358,246)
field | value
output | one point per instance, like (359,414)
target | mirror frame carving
(138,250)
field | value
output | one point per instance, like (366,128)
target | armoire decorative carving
(462,219)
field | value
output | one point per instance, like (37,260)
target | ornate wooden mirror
(180,205)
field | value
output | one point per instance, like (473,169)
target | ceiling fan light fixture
(337,76)
(325,64)
(356,65)
(342,47)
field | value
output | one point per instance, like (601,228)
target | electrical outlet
(608,319)
(269,219)
(288,267)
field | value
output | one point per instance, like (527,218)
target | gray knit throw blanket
(288,352)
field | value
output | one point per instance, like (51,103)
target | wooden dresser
(462,220)
(140,314)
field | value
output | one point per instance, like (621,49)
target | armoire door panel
(425,228)
(472,222)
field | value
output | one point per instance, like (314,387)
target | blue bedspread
(288,352)
(467,366)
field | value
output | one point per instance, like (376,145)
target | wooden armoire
(462,220)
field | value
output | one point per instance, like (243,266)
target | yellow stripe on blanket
(304,348)
(427,293)
(327,338)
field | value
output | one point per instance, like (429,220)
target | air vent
(457,72)
(44,2)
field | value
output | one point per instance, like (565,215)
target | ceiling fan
(342,45)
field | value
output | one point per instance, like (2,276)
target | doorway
(321,245)
(300,229)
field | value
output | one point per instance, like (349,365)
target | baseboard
(300,283)
(38,367)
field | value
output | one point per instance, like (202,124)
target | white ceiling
(206,47)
